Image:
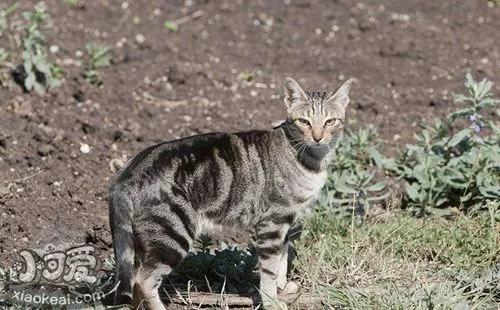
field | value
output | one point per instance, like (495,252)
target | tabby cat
(164,196)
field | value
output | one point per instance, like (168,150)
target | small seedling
(72,3)
(98,57)
(35,72)
(136,20)
(171,25)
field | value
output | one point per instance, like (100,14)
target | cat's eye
(331,122)
(303,122)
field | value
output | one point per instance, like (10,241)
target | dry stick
(233,300)
(162,102)
(23,179)
(189,17)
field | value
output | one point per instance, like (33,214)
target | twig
(241,300)
(162,102)
(23,179)
(96,215)
(189,17)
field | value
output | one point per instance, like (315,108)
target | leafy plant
(451,165)
(98,57)
(352,173)
(35,72)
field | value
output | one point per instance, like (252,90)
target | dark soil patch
(220,72)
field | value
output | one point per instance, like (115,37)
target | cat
(164,196)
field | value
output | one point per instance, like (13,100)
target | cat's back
(192,152)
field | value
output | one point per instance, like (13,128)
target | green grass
(402,262)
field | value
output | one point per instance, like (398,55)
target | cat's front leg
(272,246)
(289,287)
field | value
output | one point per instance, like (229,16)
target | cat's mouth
(321,145)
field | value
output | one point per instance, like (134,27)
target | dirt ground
(222,71)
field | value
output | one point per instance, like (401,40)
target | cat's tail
(120,217)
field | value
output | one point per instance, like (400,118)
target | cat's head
(316,117)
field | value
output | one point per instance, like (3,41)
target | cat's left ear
(341,97)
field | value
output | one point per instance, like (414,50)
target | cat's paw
(290,288)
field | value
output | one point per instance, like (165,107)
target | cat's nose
(317,139)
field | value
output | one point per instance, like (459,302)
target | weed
(99,57)
(453,164)
(351,175)
(450,167)
(171,26)
(71,3)
(35,72)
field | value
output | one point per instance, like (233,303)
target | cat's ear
(294,94)
(341,97)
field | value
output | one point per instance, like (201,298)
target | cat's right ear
(294,95)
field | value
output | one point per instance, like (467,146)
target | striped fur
(166,193)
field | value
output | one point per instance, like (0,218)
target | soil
(223,70)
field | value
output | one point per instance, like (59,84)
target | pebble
(4,190)
(54,49)
(85,148)
(140,38)
(45,150)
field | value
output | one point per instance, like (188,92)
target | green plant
(72,3)
(35,72)
(171,25)
(3,16)
(352,173)
(98,57)
(451,165)
(3,56)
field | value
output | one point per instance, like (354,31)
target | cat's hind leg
(164,233)
(146,291)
